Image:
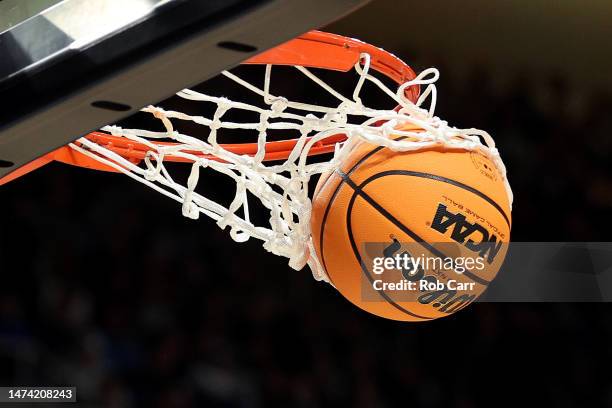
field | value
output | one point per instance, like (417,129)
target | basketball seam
(401,226)
(442,179)
(365,271)
(326,213)
(333,197)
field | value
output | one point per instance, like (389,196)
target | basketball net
(282,185)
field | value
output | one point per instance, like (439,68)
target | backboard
(69,67)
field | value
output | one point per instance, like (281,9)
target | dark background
(107,287)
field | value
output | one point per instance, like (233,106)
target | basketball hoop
(277,173)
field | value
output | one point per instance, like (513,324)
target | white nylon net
(282,187)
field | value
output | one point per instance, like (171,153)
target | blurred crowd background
(107,287)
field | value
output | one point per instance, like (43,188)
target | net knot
(223,105)
(295,186)
(113,130)
(279,105)
(387,130)
(263,123)
(190,210)
(309,122)
(339,116)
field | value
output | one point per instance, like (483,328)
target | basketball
(441,202)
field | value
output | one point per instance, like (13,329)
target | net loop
(190,209)
(153,171)
(278,106)
(366,60)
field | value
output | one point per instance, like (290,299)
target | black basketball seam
(358,190)
(442,179)
(349,230)
(335,193)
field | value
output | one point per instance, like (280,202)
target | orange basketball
(441,202)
